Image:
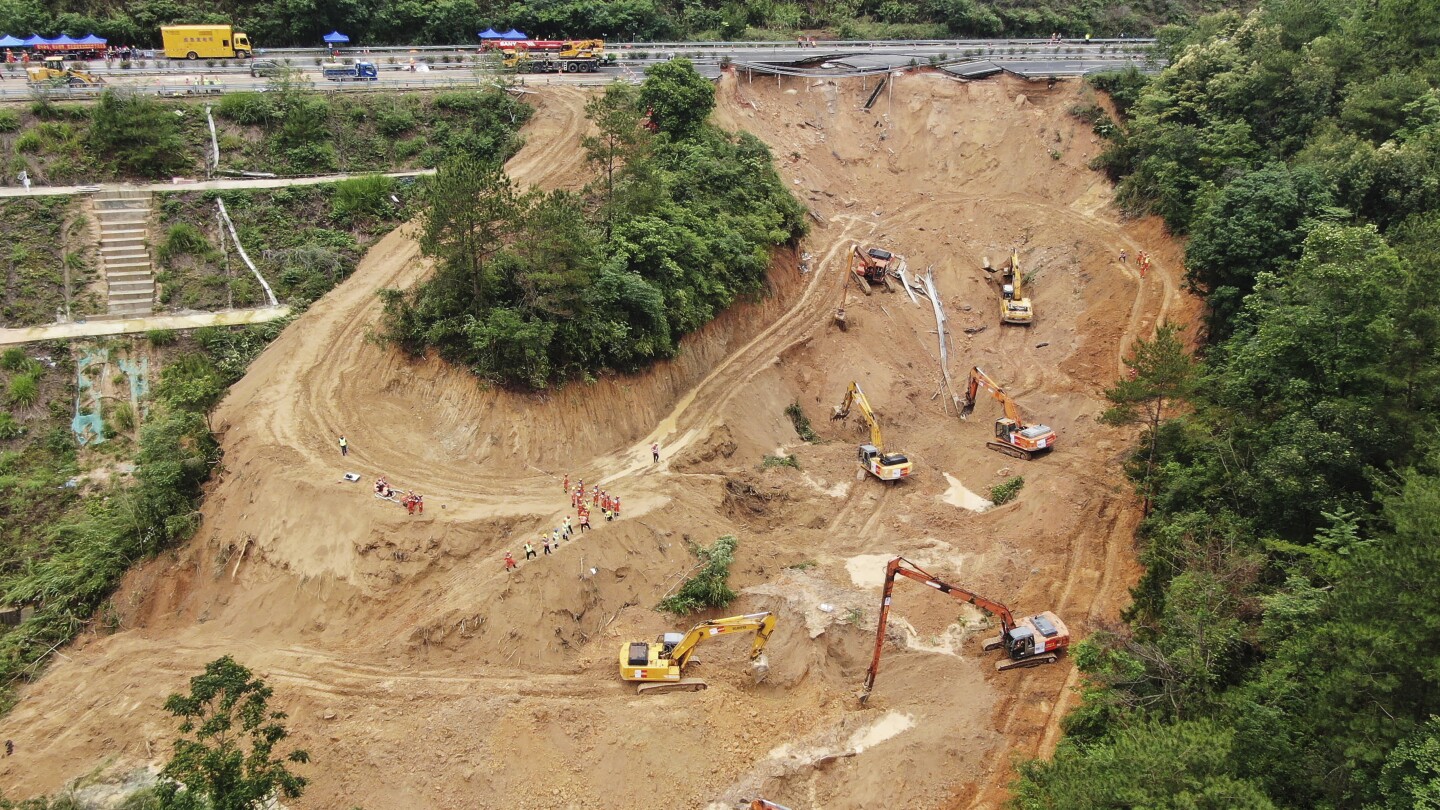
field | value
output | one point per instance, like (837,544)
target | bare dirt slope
(420,675)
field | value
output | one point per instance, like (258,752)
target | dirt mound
(420,674)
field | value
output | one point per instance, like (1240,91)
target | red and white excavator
(1028,642)
(1012,436)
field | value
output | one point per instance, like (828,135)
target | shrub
(23,390)
(9,121)
(29,143)
(160,337)
(9,427)
(708,588)
(246,109)
(780,461)
(182,239)
(801,423)
(230,142)
(362,197)
(394,120)
(138,135)
(123,417)
(14,359)
(1005,491)
(469,101)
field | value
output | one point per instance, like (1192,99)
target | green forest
(534,288)
(1283,648)
(285,23)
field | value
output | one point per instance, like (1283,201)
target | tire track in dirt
(301,385)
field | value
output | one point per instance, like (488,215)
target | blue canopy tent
(335,38)
(513,34)
(35,39)
(8,41)
(91,39)
(491,33)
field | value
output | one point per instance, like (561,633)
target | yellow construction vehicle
(658,665)
(1014,306)
(882,465)
(1012,436)
(555,56)
(57,74)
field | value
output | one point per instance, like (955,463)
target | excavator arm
(854,396)
(978,380)
(762,624)
(903,567)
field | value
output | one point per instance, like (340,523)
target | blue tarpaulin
(335,37)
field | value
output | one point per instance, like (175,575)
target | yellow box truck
(204,42)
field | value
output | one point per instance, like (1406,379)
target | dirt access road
(420,675)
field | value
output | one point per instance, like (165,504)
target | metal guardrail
(612,45)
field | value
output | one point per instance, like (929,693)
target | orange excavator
(1012,436)
(1028,642)
(873,266)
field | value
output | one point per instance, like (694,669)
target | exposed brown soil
(420,675)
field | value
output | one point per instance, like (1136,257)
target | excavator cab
(885,466)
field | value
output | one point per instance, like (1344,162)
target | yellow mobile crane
(882,465)
(658,664)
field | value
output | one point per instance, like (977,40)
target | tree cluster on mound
(1283,649)
(446,22)
(533,288)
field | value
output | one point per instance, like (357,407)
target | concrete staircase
(124,220)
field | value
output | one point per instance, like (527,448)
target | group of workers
(411,500)
(582,500)
(1140,258)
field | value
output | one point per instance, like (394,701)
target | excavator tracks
(682,685)
(1010,450)
(1025,663)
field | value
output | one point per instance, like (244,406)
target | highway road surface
(465,68)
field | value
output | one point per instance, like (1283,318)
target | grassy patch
(34,259)
(801,423)
(291,234)
(1005,491)
(780,461)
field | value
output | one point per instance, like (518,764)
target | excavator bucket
(760,668)
(967,408)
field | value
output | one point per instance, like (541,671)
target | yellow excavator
(55,73)
(658,665)
(1014,306)
(1012,436)
(877,462)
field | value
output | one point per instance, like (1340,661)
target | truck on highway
(204,42)
(358,72)
(554,56)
